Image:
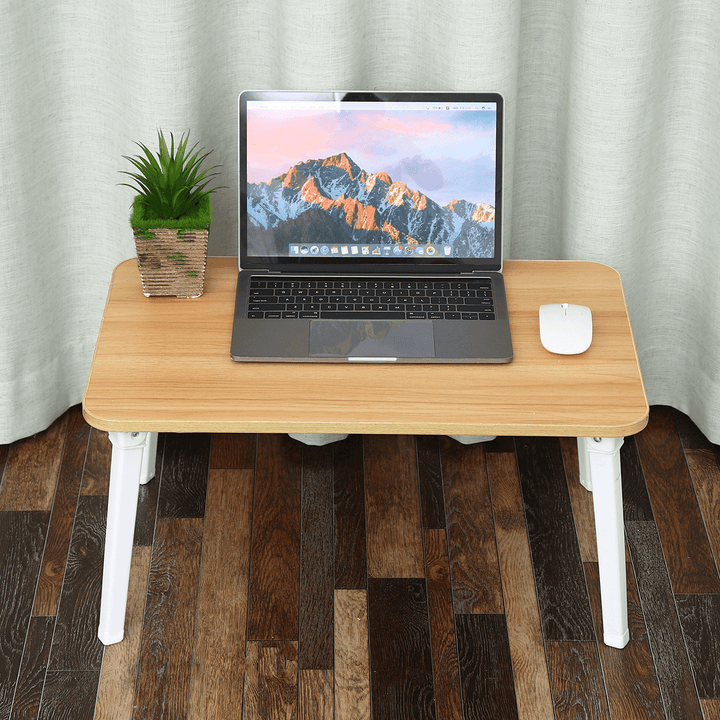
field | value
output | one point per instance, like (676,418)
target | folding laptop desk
(163,365)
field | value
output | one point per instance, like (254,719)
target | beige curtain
(613,150)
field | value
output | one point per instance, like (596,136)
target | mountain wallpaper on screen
(333,200)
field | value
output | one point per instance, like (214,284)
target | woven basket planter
(172,262)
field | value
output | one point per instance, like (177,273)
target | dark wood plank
(576,680)
(31,678)
(316,560)
(636,501)
(350,546)
(432,502)
(400,653)
(474,568)
(630,679)
(233,451)
(216,685)
(22,536)
(271,680)
(147,507)
(392,507)
(31,470)
(503,444)
(75,645)
(705,474)
(700,621)
(446,674)
(275,561)
(581,499)
(675,506)
(96,475)
(167,639)
(184,475)
(485,667)
(527,649)
(69,696)
(47,595)
(559,577)
(674,675)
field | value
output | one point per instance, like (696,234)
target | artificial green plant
(171,187)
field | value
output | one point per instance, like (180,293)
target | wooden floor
(380,577)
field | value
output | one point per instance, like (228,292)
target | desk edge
(511,430)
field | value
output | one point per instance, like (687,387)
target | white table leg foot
(600,472)
(131,464)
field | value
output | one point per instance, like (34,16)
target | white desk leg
(147,473)
(600,472)
(133,463)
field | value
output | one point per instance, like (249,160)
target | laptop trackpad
(372,338)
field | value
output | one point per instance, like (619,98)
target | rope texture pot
(172,262)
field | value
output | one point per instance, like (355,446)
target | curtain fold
(612,150)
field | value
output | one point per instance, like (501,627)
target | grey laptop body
(370,228)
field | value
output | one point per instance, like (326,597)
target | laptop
(370,228)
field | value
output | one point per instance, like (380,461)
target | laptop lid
(370,182)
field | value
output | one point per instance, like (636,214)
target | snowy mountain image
(333,200)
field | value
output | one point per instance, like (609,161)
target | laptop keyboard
(371,299)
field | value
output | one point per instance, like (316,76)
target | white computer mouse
(565,329)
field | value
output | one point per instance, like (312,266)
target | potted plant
(171,217)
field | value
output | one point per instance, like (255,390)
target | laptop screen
(370,178)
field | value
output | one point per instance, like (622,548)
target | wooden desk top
(163,365)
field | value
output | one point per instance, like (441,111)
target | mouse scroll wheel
(565,306)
